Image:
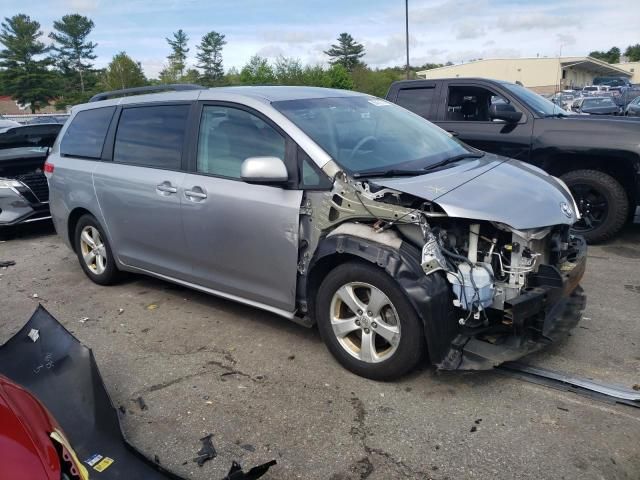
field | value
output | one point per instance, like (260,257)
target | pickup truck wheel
(367,323)
(602,202)
(94,252)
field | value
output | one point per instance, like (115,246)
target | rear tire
(586,185)
(94,252)
(385,336)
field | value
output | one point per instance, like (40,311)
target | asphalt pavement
(268,389)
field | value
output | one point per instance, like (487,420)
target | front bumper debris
(62,373)
(544,313)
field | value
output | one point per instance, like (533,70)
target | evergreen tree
(210,58)
(178,57)
(123,72)
(73,52)
(27,77)
(347,52)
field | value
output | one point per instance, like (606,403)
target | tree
(123,72)
(347,52)
(633,52)
(27,77)
(257,71)
(339,77)
(192,76)
(288,71)
(315,76)
(611,56)
(178,57)
(210,58)
(73,50)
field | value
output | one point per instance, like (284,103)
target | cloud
(390,51)
(293,36)
(469,31)
(81,6)
(533,21)
(565,39)
(271,51)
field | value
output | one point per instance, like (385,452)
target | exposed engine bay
(497,275)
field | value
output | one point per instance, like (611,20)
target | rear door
(242,239)
(464,112)
(420,97)
(140,190)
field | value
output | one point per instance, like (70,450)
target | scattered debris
(563,409)
(248,447)
(236,472)
(35,295)
(123,410)
(207,452)
(34,335)
(291,357)
(636,387)
(477,421)
(6,263)
(83,319)
(474,429)
(151,306)
(156,459)
(141,403)
(209,402)
(120,311)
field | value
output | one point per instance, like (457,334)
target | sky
(440,30)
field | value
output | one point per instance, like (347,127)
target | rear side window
(151,136)
(418,100)
(86,133)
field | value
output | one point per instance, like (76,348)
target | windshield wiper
(392,172)
(454,159)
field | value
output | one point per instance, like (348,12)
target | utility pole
(406,29)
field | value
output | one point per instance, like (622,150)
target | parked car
(563,100)
(596,106)
(6,124)
(597,157)
(613,82)
(633,109)
(324,206)
(594,89)
(24,194)
(47,119)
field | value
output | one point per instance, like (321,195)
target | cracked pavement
(268,389)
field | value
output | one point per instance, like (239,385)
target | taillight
(48,167)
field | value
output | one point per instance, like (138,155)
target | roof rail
(175,87)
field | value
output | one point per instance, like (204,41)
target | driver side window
(471,103)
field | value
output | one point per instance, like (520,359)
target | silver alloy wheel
(365,322)
(93,250)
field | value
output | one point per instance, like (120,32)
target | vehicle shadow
(27,231)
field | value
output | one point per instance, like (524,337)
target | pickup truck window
(471,103)
(537,103)
(417,100)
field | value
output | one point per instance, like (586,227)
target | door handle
(195,194)
(165,188)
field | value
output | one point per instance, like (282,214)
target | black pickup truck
(597,157)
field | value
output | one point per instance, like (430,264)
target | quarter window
(417,100)
(86,133)
(151,136)
(228,136)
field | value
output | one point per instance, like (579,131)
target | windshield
(537,103)
(363,133)
(598,102)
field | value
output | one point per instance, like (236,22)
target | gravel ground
(268,389)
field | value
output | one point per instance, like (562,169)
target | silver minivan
(325,207)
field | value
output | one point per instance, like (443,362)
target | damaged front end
(487,292)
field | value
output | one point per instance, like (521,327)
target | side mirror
(505,112)
(264,170)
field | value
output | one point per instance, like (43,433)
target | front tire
(94,252)
(602,201)
(367,322)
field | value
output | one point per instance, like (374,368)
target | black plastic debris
(236,472)
(207,452)
(141,403)
(62,373)
(6,263)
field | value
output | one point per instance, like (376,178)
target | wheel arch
(624,167)
(72,222)
(429,295)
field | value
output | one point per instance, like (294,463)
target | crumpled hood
(494,189)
